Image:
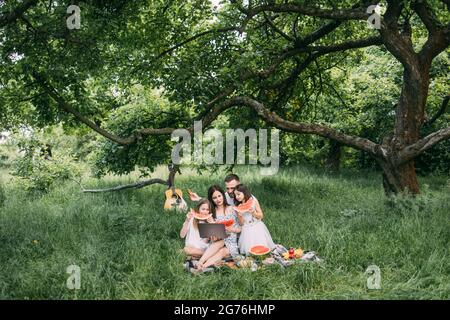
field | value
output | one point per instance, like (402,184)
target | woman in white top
(194,245)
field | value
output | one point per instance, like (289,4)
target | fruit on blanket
(246,263)
(298,253)
(246,206)
(227,223)
(259,250)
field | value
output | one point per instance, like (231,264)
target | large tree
(262,55)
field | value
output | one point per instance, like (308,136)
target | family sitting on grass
(246,231)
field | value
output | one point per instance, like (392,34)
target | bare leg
(222,253)
(195,252)
(212,250)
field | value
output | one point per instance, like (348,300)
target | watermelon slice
(199,216)
(259,250)
(246,206)
(227,223)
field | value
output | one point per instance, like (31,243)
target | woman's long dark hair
(211,191)
(245,190)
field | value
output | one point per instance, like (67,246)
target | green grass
(128,248)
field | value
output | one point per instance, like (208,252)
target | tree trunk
(410,113)
(400,179)
(333,161)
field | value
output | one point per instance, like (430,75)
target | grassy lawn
(128,248)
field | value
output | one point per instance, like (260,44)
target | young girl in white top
(194,245)
(253,232)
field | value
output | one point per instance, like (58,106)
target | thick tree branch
(438,34)
(173,170)
(322,50)
(400,46)
(353,44)
(439,113)
(292,52)
(263,112)
(16,13)
(286,87)
(209,116)
(195,37)
(277,30)
(298,127)
(335,14)
(436,43)
(69,109)
(182,43)
(137,185)
(412,151)
(426,15)
(318,34)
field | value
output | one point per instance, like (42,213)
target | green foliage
(4,158)
(95,69)
(2,195)
(406,203)
(147,110)
(369,86)
(36,173)
(7,153)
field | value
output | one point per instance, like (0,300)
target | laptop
(207,230)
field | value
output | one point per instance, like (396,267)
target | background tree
(266,55)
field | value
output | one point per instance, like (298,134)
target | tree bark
(333,160)
(400,179)
(400,176)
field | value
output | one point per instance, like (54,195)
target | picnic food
(246,206)
(297,254)
(246,263)
(199,216)
(259,250)
(291,253)
(227,223)
(202,216)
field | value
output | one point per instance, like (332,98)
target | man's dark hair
(232,177)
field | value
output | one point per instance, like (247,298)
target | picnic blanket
(276,256)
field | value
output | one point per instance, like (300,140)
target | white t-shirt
(230,200)
(193,237)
